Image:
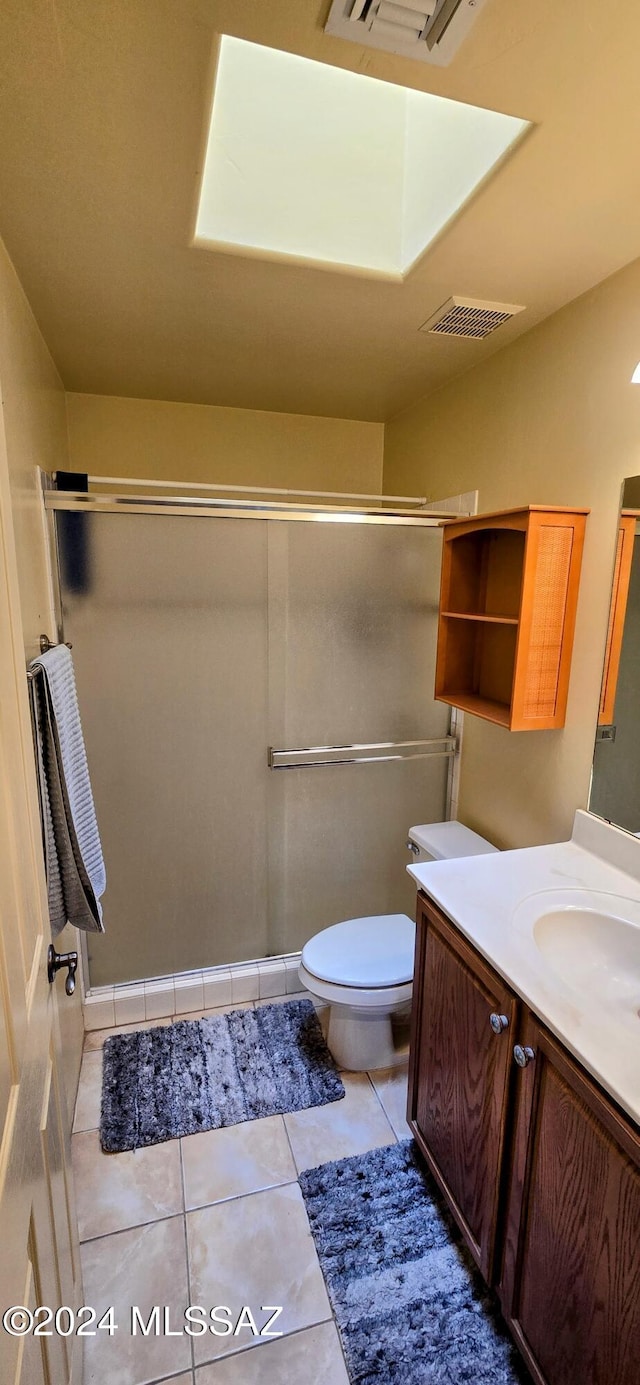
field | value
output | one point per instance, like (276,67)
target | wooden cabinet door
(459,1078)
(617,613)
(571,1277)
(39,1253)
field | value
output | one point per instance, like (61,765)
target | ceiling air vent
(470,317)
(429,30)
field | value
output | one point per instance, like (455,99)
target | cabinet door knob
(523,1056)
(498,1023)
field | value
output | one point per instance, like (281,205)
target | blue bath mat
(409,1303)
(196,1075)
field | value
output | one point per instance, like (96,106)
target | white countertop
(481,894)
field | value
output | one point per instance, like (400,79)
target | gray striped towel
(75,869)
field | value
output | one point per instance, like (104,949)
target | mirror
(615,783)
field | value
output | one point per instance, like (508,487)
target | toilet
(363,968)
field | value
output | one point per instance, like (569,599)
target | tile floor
(217,1219)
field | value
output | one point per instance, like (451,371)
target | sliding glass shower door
(209,653)
(353,649)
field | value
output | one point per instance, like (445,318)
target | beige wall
(551,419)
(33,406)
(149,438)
(33,415)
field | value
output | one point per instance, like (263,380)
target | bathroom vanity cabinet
(460,1077)
(539,1167)
(508,597)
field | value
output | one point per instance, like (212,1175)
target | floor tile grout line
(254,1346)
(76,1130)
(166,1379)
(286,1131)
(271,1188)
(186,1251)
(334,1320)
(137,1226)
(159,1380)
(406,1133)
(187,1211)
(238,1197)
(399,1138)
(257,1346)
(337,1328)
(382,1107)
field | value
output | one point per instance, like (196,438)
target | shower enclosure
(257,701)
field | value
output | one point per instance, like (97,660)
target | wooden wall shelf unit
(617,612)
(508,602)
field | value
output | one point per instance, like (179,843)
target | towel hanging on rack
(74,864)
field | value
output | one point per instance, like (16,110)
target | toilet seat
(382,998)
(372,953)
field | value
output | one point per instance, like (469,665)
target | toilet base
(360,1040)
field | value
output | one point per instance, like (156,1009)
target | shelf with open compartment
(507,614)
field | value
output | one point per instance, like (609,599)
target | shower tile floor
(217,1218)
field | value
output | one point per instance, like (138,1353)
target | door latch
(57,960)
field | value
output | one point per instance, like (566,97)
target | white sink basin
(591,942)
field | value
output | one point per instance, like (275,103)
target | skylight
(323,165)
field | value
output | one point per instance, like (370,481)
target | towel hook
(56,960)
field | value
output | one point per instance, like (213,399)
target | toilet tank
(443,841)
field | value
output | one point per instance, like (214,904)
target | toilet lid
(376,951)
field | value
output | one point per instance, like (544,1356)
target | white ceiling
(103,117)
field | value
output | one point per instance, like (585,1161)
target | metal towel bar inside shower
(378,752)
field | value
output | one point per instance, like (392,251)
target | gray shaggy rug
(200,1074)
(410,1306)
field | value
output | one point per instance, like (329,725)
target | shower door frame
(207,507)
